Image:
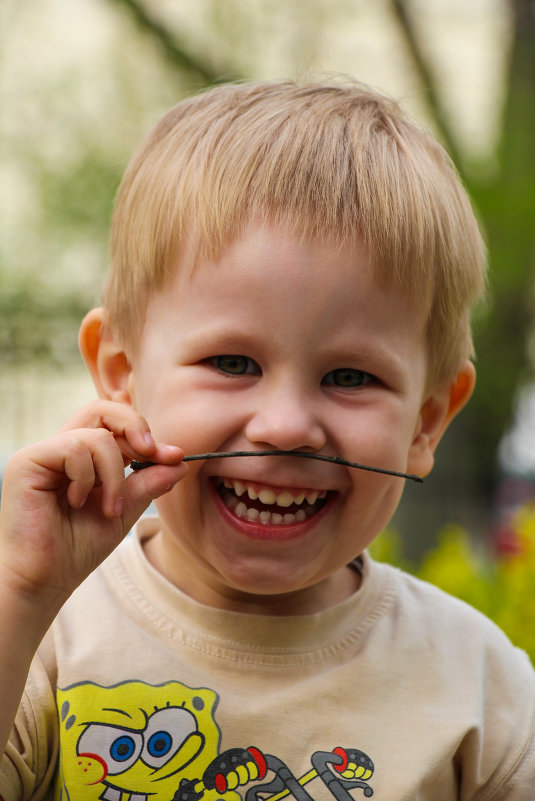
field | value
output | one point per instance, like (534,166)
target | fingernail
(149,439)
(174,451)
(118,507)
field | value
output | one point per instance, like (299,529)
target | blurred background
(82,81)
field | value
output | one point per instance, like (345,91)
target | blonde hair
(338,162)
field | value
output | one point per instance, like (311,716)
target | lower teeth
(265,517)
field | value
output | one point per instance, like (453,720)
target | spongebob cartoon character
(135,741)
(139,742)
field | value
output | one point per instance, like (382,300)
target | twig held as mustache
(299,454)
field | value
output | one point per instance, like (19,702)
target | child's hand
(66,503)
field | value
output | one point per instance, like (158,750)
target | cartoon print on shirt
(353,768)
(140,742)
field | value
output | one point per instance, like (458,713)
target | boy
(292,269)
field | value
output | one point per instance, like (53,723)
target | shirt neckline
(157,603)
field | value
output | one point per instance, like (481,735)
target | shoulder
(455,658)
(434,629)
(433,611)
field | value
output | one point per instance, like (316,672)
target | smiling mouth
(271,506)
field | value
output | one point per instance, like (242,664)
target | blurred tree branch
(425,73)
(179,55)
(506,205)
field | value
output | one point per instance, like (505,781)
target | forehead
(273,279)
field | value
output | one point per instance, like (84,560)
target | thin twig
(300,454)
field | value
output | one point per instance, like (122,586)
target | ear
(436,413)
(106,360)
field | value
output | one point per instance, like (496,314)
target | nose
(285,419)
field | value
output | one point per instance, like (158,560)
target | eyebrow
(299,454)
(118,711)
(215,336)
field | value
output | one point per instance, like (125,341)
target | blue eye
(118,748)
(235,365)
(159,744)
(168,730)
(346,378)
(122,748)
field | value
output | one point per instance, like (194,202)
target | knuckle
(17,461)
(84,416)
(75,446)
(103,437)
(94,405)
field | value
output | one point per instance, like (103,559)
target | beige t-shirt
(399,692)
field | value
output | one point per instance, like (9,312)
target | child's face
(279,345)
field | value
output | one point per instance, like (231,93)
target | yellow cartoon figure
(138,742)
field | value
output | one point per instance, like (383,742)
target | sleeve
(506,739)
(519,783)
(28,764)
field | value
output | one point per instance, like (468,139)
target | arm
(66,505)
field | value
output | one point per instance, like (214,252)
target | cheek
(375,495)
(373,438)
(193,421)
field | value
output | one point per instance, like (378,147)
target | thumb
(143,486)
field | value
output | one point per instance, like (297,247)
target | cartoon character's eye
(167,730)
(118,748)
(122,748)
(159,744)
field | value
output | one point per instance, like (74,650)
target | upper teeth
(270,495)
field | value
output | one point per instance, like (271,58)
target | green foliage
(37,326)
(78,196)
(500,588)
(46,289)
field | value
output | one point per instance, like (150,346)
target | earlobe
(436,414)
(106,360)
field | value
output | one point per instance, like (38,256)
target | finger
(92,458)
(57,463)
(121,419)
(108,464)
(129,428)
(79,470)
